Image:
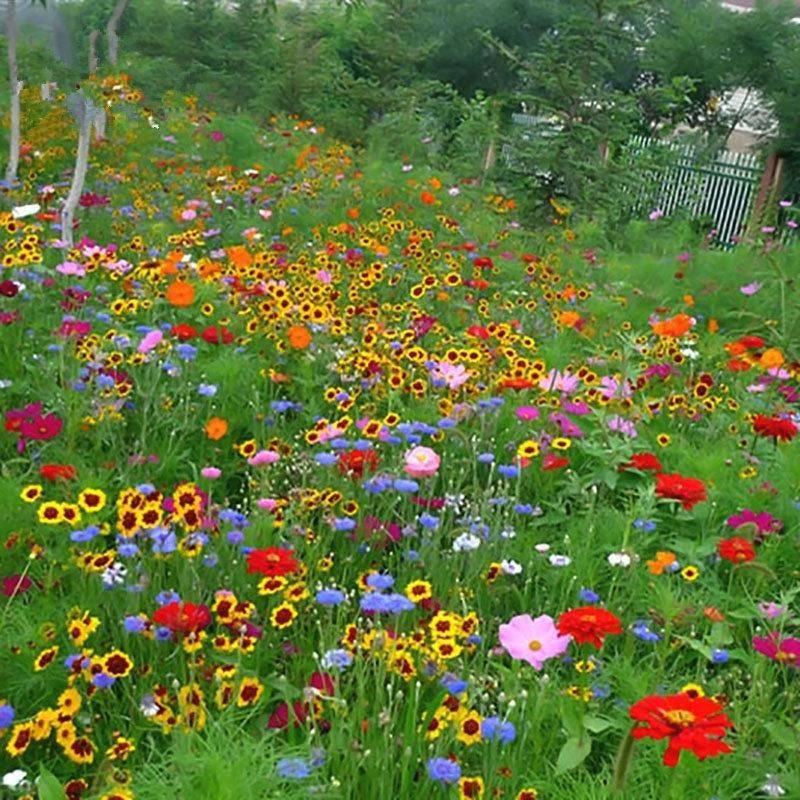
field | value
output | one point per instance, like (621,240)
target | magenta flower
(784,651)
(533,640)
(749,289)
(527,413)
(763,520)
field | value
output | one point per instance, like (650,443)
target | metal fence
(720,188)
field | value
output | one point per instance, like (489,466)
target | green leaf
(783,735)
(573,753)
(48,787)
(596,724)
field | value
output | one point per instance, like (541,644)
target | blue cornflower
(133,624)
(646,525)
(294,768)
(641,631)
(495,728)
(485,458)
(443,770)
(7,714)
(428,520)
(167,596)
(508,470)
(405,485)
(344,524)
(326,459)
(207,389)
(103,681)
(380,581)
(336,659)
(720,656)
(187,352)
(235,537)
(330,597)
(85,535)
(454,684)
(589,596)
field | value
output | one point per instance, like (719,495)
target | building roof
(747,5)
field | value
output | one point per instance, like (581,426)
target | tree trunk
(84,113)
(111,31)
(93,52)
(16,88)
(100,124)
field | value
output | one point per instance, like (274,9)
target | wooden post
(111,31)
(769,184)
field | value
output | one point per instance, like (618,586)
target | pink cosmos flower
(785,651)
(150,341)
(556,381)
(749,289)
(533,640)
(421,462)
(527,413)
(267,503)
(212,473)
(451,375)
(263,457)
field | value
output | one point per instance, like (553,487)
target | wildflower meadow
(325,475)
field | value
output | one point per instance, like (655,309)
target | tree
(111,31)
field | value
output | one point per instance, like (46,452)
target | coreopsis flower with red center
(272,562)
(356,462)
(644,462)
(690,723)
(688,491)
(183,617)
(777,428)
(736,549)
(589,624)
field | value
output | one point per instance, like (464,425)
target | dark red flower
(271,561)
(775,427)
(41,428)
(8,288)
(644,462)
(688,491)
(15,585)
(183,617)
(736,549)
(690,723)
(589,624)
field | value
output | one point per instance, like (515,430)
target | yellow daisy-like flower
(417,591)
(31,493)
(50,513)
(92,500)
(561,443)
(469,728)
(283,616)
(528,449)
(250,692)
(663,439)
(690,573)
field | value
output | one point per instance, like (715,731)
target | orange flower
(435,183)
(713,325)
(180,293)
(299,337)
(663,559)
(353,213)
(569,319)
(772,358)
(216,428)
(676,326)
(239,256)
(427,198)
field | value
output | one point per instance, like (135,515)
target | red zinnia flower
(690,723)
(645,462)
(57,472)
(589,624)
(217,335)
(776,427)
(356,462)
(689,491)
(272,561)
(183,617)
(183,332)
(552,462)
(736,549)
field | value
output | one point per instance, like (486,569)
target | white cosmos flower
(619,560)
(510,567)
(560,561)
(15,779)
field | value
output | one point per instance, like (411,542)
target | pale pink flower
(749,289)
(263,457)
(533,640)
(150,341)
(452,375)
(212,473)
(556,381)
(422,462)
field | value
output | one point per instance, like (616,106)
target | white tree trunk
(85,121)
(16,88)
(100,119)
(111,31)
(93,52)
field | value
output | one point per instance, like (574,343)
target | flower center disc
(534,646)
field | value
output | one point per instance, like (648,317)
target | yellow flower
(250,692)
(690,573)
(92,500)
(31,493)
